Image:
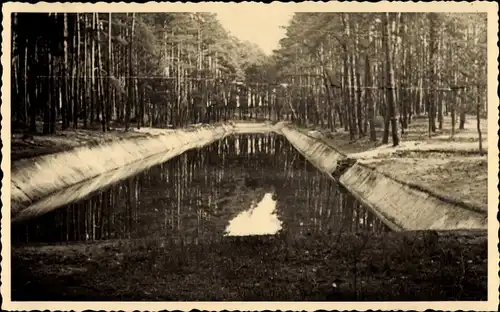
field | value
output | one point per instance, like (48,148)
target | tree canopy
(352,70)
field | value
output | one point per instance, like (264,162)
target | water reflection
(195,195)
(260,219)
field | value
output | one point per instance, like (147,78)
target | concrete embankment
(47,182)
(398,205)
(319,154)
(406,207)
(43,183)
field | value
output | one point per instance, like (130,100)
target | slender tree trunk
(404,93)
(357,75)
(25,91)
(71,38)
(352,92)
(462,107)
(478,96)
(110,68)
(93,91)
(32,92)
(390,82)
(138,105)
(100,83)
(455,94)
(78,100)
(369,100)
(331,121)
(478,119)
(130,103)
(49,107)
(439,82)
(21,81)
(432,73)
(64,77)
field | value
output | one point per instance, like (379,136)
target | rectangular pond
(241,185)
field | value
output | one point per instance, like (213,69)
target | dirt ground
(462,179)
(26,145)
(385,266)
(32,145)
(446,166)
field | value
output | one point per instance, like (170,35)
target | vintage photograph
(247,155)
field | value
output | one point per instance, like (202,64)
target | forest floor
(365,266)
(448,167)
(27,145)
(36,144)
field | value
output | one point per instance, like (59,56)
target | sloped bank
(398,205)
(46,182)
(407,207)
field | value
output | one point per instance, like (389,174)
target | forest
(105,207)
(356,71)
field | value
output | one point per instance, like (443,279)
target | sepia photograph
(250,152)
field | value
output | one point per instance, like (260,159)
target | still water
(241,185)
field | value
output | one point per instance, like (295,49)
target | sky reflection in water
(260,219)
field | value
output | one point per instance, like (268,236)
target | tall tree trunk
(138,104)
(64,76)
(478,96)
(455,93)
(49,107)
(100,83)
(130,103)
(347,97)
(84,83)
(478,119)
(71,59)
(390,82)
(331,121)
(352,92)
(93,91)
(462,107)
(32,92)
(439,70)
(110,68)
(78,95)
(357,75)
(432,72)
(404,93)
(369,100)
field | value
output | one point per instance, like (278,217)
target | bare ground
(26,145)
(385,266)
(462,179)
(32,145)
(449,167)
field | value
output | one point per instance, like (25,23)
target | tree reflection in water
(195,195)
